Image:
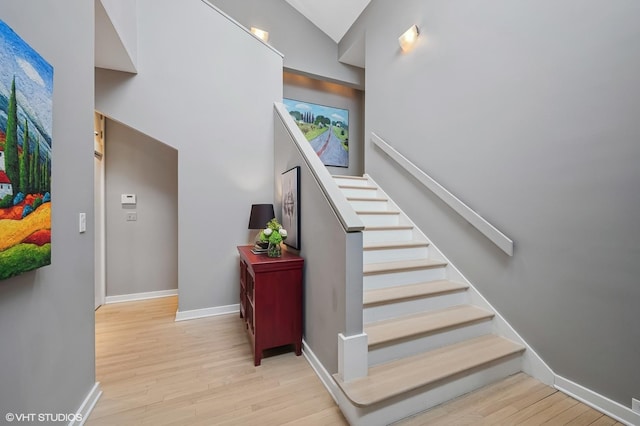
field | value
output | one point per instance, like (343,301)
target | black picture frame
(291,206)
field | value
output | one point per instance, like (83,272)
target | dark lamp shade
(260,215)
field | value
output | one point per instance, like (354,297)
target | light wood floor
(156,371)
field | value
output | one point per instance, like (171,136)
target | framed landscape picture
(291,206)
(326,128)
(26,89)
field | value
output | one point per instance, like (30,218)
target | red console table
(271,300)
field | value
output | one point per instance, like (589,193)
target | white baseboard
(140,296)
(82,413)
(322,373)
(601,403)
(207,312)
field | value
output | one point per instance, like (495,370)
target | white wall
(142,255)
(123,15)
(46,316)
(307,50)
(116,41)
(206,88)
(527,111)
(320,92)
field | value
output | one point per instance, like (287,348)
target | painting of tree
(326,128)
(26,98)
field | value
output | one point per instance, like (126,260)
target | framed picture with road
(326,128)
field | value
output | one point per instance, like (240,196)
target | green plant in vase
(274,234)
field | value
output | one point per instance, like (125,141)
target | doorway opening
(98,209)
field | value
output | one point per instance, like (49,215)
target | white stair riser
(394,254)
(421,399)
(422,344)
(379,219)
(387,236)
(403,277)
(351,182)
(370,206)
(360,192)
(407,307)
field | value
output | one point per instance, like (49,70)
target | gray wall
(527,111)
(46,316)
(320,92)
(306,49)
(116,34)
(142,256)
(197,94)
(324,286)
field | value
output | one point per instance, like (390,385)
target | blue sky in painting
(34,81)
(335,114)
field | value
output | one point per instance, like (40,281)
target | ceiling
(333,17)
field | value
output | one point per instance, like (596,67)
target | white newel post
(352,356)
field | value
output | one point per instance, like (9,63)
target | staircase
(427,341)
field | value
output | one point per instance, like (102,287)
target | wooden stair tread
(400,266)
(373,212)
(388,228)
(394,245)
(370,188)
(411,291)
(404,375)
(349,177)
(390,330)
(373,199)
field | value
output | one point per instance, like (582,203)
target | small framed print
(291,206)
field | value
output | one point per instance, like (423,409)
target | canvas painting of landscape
(26,89)
(326,129)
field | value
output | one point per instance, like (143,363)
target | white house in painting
(5,183)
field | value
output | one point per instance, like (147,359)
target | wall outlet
(635,405)
(132,216)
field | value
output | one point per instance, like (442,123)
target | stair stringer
(532,363)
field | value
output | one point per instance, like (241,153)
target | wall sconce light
(409,37)
(261,34)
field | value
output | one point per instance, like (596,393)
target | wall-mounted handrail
(343,210)
(242,27)
(488,230)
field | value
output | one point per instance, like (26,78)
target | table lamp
(260,215)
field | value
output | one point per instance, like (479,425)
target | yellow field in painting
(14,231)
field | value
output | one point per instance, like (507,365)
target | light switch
(82,225)
(128,199)
(132,216)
